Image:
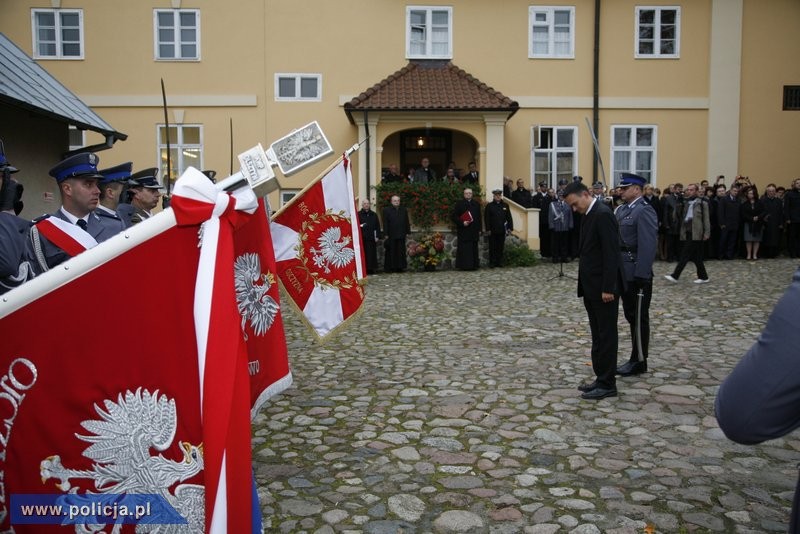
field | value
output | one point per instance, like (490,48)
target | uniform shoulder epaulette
(103,213)
(40,218)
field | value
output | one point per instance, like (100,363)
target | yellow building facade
(677,92)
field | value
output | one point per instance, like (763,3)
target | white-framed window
(658,32)
(185,147)
(77,138)
(554,154)
(429,32)
(287,195)
(551,32)
(57,33)
(633,149)
(289,86)
(177,34)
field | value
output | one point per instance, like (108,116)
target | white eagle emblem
(251,294)
(120,445)
(302,146)
(333,250)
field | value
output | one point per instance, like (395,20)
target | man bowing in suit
(600,284)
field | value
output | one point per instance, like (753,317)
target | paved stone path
(450,405)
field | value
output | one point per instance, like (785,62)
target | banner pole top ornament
(290,154)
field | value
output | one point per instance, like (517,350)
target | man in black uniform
(370,235)
(499,224)
(638,231)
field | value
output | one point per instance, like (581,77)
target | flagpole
(597,150)
(320,177)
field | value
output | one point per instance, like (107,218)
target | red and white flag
(317,242)
(259,302)
(149,395)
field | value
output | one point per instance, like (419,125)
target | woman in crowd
(752,211)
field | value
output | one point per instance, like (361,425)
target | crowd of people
(95,206)
(426,174)
(743,223)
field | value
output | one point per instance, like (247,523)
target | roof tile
(431,86)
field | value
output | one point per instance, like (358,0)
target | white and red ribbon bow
(221,352)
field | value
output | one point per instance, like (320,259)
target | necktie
(82,224)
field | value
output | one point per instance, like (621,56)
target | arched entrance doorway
(441,146)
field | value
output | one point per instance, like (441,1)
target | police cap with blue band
(117,173)
(83,165)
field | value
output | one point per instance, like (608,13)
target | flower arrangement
(428,252)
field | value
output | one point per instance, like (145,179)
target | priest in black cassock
(396,226)
(370,235)
(466,216)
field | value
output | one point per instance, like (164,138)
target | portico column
(368,128)
(492,165)
(725,60)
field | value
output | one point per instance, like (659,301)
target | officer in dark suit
(599,283)
(143,194)
(499,224)
(466,216)
(638,232)
(111,185)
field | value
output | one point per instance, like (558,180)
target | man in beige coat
(695,228)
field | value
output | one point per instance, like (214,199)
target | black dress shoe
(587,387)
(632,369)
(599,393)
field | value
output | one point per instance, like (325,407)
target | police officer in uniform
(497,217)
(143,194)
(77,178)
(111,187)
(638,228)
(14,268)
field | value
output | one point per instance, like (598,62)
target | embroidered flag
(125,402)
(317,242)
(259,303)
(107,401)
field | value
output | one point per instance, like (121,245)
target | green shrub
(518,254)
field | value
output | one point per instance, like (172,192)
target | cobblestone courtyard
(450,405)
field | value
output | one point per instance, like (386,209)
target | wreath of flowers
(428,251)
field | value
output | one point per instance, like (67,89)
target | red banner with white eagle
(150,394)
(102,395)
(317,244)
(259,303)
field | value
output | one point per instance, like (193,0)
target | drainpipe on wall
(366,126)
(596,85)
